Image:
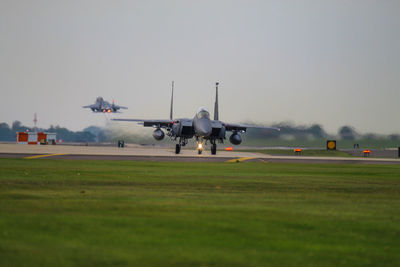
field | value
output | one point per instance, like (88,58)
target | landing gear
(182,142)
(200,146)
(214,149)
(177,148)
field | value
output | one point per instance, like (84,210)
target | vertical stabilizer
(172,101)
(216,113)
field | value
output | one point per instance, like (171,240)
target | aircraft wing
(90,106)
(150,123)
(243,127)
(120,107)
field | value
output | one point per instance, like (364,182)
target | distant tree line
(110,134)
(316,131)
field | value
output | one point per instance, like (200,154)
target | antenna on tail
(172,101)
(216,113)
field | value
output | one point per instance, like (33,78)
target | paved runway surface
(137,152)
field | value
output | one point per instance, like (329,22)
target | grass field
(304,152)
(98,213)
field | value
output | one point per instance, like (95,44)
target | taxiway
(146,153)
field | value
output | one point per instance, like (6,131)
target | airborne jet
(104,106)
(201,127)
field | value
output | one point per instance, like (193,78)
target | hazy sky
(328,62)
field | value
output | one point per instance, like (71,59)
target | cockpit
(203,113)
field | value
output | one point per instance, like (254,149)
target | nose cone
(203,128)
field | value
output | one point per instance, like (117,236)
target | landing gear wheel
(214,149)
(177,148)
(199,151)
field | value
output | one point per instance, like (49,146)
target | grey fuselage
(103,106)
(201,126)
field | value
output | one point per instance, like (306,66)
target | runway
(145,153)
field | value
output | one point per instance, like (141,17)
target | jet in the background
(104,106)
(201,127)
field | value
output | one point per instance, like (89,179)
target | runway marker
(43,156)
(240,159)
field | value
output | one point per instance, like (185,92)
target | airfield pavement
(154,153)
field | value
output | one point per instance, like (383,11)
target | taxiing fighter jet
(104,106)
(201,127)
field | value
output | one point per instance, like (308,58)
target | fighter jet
(104,106)
(201,127)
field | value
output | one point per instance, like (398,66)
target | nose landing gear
(200,148)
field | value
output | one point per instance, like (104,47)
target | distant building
(36,138)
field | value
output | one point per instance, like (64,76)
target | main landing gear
(182,142)
(177,148)
(214,149)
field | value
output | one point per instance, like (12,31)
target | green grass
(304,152)
(97,213)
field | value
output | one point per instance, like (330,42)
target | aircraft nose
(204,129)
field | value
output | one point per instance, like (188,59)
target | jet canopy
(203,113)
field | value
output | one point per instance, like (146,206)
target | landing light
(200,146)
(109,111)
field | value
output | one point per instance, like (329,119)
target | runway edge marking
(43,156)
(240,159)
